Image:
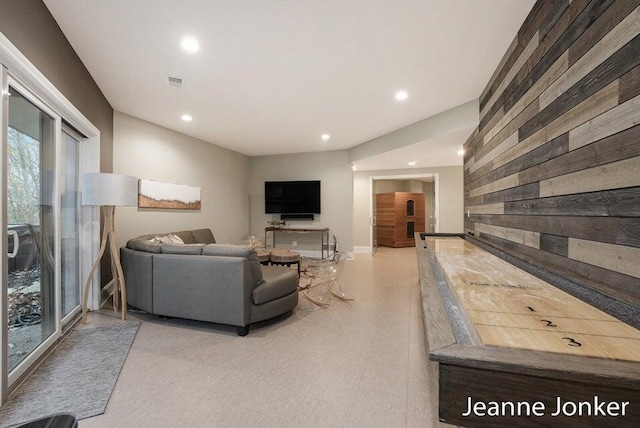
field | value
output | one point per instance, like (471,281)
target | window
(411,208)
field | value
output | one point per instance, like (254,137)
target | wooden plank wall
(552,174)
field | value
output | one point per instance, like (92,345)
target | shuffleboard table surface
(509,307)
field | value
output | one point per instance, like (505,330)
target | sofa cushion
(186,236)
(145,237)
(142,244)
(237,251)
(203,236)
(277,282)
(192,249)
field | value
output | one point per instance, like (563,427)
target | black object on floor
(61,420)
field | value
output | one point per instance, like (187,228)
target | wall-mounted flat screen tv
(292,197)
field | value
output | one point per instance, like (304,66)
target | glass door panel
(70,223)
(30,217)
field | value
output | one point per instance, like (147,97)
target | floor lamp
(109,191)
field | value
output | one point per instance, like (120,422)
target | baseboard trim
(362,249)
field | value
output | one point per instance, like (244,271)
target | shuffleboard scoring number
(549,323)
(572,342)
(531,309)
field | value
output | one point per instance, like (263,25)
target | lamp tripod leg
(115,281)
(119,274)
(103,246)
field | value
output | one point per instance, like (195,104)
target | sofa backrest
(198,242)
(237,251)
(203,236)
(186,236)
(189,237)
(190,249)
(142,243)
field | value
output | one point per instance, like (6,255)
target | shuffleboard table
(508,349)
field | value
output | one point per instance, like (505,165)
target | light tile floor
(357,364)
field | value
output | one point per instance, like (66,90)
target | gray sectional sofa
(205,281)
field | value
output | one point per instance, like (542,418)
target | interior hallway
(358,364)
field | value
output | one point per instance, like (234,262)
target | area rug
(78,377)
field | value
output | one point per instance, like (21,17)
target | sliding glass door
(48,239)
(42,261)
(30,218)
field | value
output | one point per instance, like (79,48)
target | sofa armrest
(214,289)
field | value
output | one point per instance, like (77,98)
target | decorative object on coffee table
(254,241)
(109,191)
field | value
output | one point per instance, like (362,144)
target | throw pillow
(175,239)
(169,238)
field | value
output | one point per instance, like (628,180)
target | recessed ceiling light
(461,152)
(412,163)
(190,44)
(325,137)
(401,95)
(186,117)
(354,167)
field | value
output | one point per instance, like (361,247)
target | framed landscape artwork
(157,194)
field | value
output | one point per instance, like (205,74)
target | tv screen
(292,197)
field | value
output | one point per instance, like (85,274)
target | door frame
(436,186)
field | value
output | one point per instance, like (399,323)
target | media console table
(323,232)
(501,337)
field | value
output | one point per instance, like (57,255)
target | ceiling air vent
(175,81)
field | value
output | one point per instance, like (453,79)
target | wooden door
(385,219)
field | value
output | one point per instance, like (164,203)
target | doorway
(427,184)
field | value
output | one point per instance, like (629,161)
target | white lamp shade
(101,189)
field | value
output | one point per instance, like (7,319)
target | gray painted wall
(31,28)
(145,150)
(331,168)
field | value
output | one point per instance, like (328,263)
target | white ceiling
(273,75)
